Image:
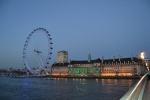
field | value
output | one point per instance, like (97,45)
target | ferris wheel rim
(49,50)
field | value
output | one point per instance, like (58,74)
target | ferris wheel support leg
(46,72)
(42,64)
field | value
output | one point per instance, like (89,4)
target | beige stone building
(123,67)
(62,57)
(59,69)
(147,61)
(99,67)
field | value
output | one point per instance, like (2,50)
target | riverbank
(83,77)
(99,77)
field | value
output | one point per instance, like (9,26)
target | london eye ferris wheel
(37,51)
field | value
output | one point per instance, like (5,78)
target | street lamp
(142,55)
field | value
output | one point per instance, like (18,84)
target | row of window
(124,63)
(118,69)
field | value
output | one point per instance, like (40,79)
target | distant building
(59,69)
(99,67)
(62,57)
(147,61)
(84,67)
(123,67)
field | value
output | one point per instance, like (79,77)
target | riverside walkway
(140,91)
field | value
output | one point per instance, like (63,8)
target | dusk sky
(101,27)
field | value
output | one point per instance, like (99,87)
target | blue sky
(102,27)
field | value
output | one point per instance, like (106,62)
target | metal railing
(136,92)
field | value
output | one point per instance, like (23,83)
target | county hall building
(99,67)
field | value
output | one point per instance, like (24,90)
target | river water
(63,88)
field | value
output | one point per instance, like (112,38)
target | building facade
(100,67)
(84,68)
(123,67)
(62,57)
(147,61)
(59,69)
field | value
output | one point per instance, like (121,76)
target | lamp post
(142,55)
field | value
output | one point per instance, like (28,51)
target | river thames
(63,88)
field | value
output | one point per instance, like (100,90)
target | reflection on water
(63,88)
